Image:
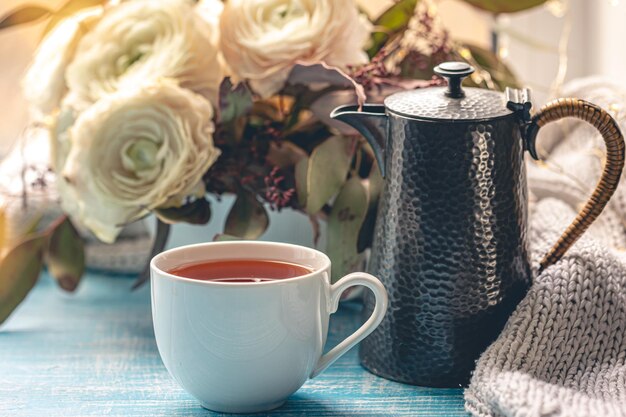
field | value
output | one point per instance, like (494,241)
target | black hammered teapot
(450,241)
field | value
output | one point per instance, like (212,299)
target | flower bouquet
(150,106)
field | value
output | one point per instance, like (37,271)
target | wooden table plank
(93,353)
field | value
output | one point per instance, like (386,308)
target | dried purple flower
(274,194)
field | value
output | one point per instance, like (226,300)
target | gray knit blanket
(563,351)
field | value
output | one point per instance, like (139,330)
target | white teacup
(246,347)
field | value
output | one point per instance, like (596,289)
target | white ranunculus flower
(211,11)
(44,83)
(263,39)
(134,151)
(140,41)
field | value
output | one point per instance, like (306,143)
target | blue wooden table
(93,353)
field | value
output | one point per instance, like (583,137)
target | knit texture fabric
(563,351)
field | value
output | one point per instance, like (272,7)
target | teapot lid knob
(454,72)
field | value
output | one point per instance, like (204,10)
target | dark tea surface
(240,270)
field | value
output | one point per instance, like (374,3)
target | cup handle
(380,294)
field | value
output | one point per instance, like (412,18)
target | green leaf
(160,240)
(19,270)
(284,154)
(66,255)
(22,15)
(68,9)
(505,6)
(315,228)
(223,237)
(234,101)
(485,60)
(332,77)
(264,110)
(247,218)
(373,186)
(197,212)
(393,21)
(344,224)
(326,171)
(300,174)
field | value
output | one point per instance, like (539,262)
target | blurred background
(545,46)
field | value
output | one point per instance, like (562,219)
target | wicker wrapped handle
(609,129)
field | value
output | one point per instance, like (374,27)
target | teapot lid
(449,103)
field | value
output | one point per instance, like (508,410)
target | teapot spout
(371,122)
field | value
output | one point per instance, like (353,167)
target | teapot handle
(614,141)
